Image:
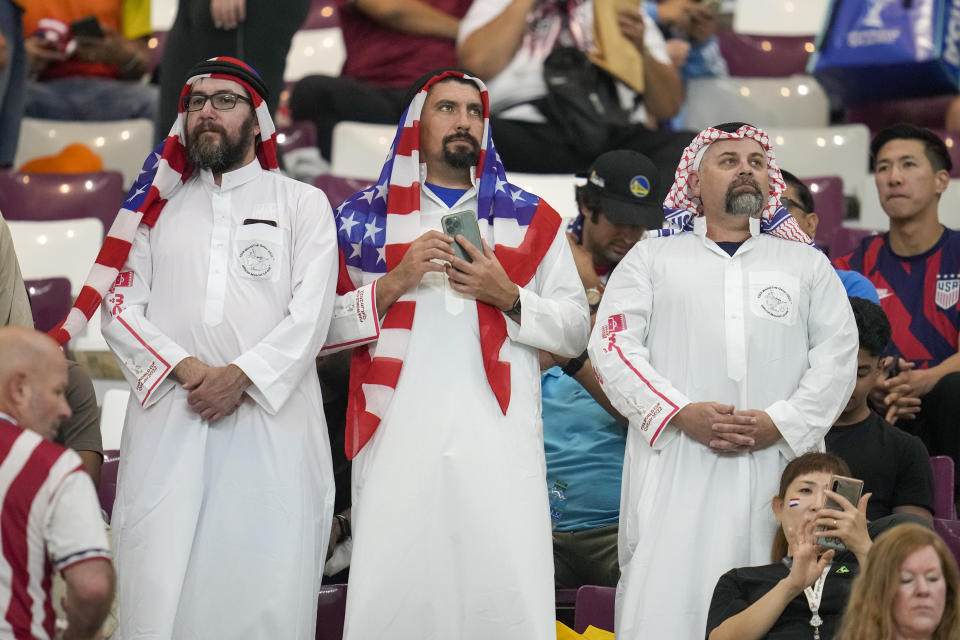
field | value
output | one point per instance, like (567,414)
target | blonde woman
(908,590)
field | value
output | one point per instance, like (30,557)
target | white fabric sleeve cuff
(355,319)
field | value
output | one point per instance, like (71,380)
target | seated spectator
(894,465)
(14,303)
(389,43)
(584,436)
(57,518)
(506,43)
(916,270)
(908,590)
(804,592)
(13,77)
(99,78)
(798,201)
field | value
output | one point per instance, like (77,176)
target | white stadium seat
(359,149)
(122,144)
(315,51)
(797,101)
(557,190)
(57,248)
(841,150)
(162,14)
(780,17)
(113,412)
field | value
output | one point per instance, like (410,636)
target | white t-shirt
(522,79)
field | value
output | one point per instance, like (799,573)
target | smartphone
(465,224)
(849,488)
(88,27)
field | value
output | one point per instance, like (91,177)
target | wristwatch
(594,294)
(575,364)
(515,309)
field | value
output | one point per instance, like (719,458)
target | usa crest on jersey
(948,291)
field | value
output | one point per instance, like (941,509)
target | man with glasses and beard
(729,345)
(451,532)
(223,282)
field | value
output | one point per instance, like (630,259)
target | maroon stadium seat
(829,204)
(38,197)
(943,487)
(764,56)
(108,481)
(594,608)
(331,608)
(50,301)
(339,189)
(949,530)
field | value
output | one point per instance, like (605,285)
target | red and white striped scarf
(162,174)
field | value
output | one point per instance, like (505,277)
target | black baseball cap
(628,186)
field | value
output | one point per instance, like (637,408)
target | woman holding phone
(803,593)
(910,589)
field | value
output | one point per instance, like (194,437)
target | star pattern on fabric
(372,230)
(347,224)
(356,249)
(382,191)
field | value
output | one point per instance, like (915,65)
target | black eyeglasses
(788,203)
(222,101)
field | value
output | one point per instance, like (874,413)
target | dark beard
(746,203)
(224,154)
(461,158)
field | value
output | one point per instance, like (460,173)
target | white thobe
(221,528)
(681,321)
(450,518)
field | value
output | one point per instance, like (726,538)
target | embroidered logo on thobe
(775,301)
(653,413)
(256,260)
(948,291)
(124,279)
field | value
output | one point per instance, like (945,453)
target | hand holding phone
(849,488)
(462,223)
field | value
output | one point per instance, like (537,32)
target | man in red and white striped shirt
(49,513)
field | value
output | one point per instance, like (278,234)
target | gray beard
(747,203)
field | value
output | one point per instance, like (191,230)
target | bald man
(50,517)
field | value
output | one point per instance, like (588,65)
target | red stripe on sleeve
(630,366)
(150,349)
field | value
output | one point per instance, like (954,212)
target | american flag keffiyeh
(681,206)
(375,228)
(162,173)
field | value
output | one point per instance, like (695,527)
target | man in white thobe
(225,492)
(730,346)
(450,517)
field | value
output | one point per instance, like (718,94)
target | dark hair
(872,324)
(803,192)
(933,147)
(810,462)
(588,197)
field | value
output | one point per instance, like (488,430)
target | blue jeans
(98,99)
(12,80)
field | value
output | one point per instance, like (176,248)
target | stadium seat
(829,205)
(927,112)
(323,15)
(61,196)
(359,149)
(594,608)
(339,189)
(847,239)
(113,411)
(764,56)
(816,151)
(122,144)
(797,101)
(57,248)
(162,14)
(331,609)
(949,530)
(50,301)
(107,491)
(155,45)
(557,190)
(943,487)
(315,51)
(780,17)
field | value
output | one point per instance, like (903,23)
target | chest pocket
(258,252)
(775,296)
